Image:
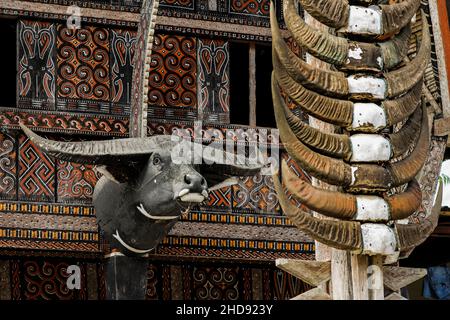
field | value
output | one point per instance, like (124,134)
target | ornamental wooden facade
(212,62)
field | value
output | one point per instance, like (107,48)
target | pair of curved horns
(339,145)
(357,177)
(340,52)
(348,235)
(335,13)
(341,112)
(344,206)
(122,151)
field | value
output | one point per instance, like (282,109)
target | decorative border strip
(236,218)
(229,254)
(238,244)
(45,208)
(64,122)
(92,4)
(45,235)
(7,244)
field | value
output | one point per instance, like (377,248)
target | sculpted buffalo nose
(195,183)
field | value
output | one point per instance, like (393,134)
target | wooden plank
(359,264)
(395,296)
(341,275)
(314,273)
(375,279)
(396,278)
(313,294)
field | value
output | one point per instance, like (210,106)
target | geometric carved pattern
(173,72)
(36,67)
(220,198)
(213,78)
(36,173)
(47,281)
(185,4)
(285,286)
(83,68)
(76,182)
(8,169)
(256,194)
(250,7)
(122,53)
(220,283)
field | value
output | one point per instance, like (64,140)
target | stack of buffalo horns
(369,89)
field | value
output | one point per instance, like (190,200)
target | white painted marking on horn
(193,197)
(153,217)
(378,239)
(380,62)
(130,248)
(370,148)
(373,86)
(354,169)
(371,208)
(368,115)
(355,53)
(363,20)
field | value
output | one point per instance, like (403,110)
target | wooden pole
(349,279)
(252,84)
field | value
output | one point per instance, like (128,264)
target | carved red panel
(174,72)
(36,173)
(253,7)
(83,63)
(76,182)
(255,194)
(188,4)
(220,283)
(8,168)
(220,198)
(47,280)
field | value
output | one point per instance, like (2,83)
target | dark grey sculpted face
(143,191)
(138,213)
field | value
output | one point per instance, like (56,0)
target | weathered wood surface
(313,294)
(396,278)
(314,273)
(395,296)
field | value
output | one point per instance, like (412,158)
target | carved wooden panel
(213,80)
(36,173)
(174,72)
(83,69)
(36,74)
(8,167)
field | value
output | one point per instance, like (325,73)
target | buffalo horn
(98,152)
(340,52)
(344,235)
(333,13)
(412,235)
(396,16)
(347,206)
(325,81)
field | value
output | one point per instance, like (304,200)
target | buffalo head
(144,189)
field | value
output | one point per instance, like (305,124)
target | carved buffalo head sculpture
(144,189)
